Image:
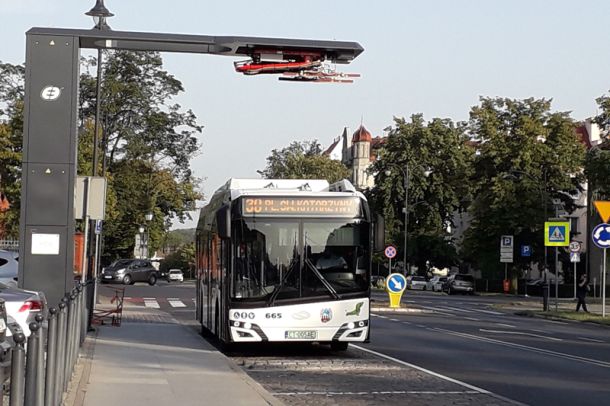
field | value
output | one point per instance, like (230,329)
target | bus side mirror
(379,231)
(223,221)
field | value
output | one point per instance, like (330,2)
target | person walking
(581,292)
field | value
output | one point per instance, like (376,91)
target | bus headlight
(247,326)
(351,325)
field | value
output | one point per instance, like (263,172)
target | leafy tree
(183,259)
(441,147)
(149,141)
(303,160)
(527,156)
(11,134)
(598,159)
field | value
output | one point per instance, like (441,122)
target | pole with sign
(506,256)
(575,258)
(601,238)
(390,252)
(395,285)
(557,234)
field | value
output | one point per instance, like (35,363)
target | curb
(399,310)
(529,313)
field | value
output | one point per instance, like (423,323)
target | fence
(40,375)
(9,245)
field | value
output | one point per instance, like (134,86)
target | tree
(598,159)
(11,134)
(303,160)
(441,147)
(149,142)
(527,156)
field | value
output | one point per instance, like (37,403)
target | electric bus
(285,260)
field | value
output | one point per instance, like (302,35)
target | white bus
(285,260)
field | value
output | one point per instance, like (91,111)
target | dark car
(129,271)
(459,283)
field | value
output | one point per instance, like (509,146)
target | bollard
(31,364)
(17,370)
(67,343)
(70,339)
(49,388)
(545,297)
(39,399)
(61,350)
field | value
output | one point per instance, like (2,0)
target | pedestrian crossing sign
(557,233)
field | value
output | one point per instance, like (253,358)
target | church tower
(361,158)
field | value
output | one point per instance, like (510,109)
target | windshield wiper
(277,291)
(327,285)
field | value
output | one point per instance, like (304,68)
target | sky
(435,57)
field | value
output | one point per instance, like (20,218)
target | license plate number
(108,276)
(301,334)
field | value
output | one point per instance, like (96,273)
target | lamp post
(405,177)
(141,230)
(99,13)
(148,217)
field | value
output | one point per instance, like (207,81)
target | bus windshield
(292,259)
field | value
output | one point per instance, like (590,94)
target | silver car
(23,305)
(9,267)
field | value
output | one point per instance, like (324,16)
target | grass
(572,315)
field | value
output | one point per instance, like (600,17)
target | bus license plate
(301,334)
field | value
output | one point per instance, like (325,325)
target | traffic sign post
(506,256)
(390,252)
(601,238)
(395,284)
(556,234)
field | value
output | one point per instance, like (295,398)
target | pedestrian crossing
(158,303)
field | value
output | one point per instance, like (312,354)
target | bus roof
(285,187)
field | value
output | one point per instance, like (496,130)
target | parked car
(9,267)
(417,283)
(459,283)
(435,284)
(6,343)
(129,271)
(175,275)
(23,305)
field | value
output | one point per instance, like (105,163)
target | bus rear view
(285,260)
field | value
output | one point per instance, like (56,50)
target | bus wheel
(338,345)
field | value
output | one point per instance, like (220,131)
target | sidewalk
(151,360)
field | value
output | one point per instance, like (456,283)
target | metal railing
(42,369)
(9,245)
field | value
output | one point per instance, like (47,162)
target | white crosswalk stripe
(175,302)
(151,302)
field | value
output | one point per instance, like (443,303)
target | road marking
(457,309)
(488,312)
(593,340)
(521,333)
(175,302)
(438,310)
(464,384)
(527,348)
(393,320)
(407,323)
(507,325)
(555,322)
(151,302)
(472,318)
(380,316)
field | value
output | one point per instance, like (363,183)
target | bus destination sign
(311,206)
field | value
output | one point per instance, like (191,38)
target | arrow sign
(601,235)
(603,208)
(396,283)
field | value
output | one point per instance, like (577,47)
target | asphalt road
(530,360)
(534,361)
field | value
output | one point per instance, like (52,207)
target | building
(357,152)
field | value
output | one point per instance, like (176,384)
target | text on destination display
(301,205)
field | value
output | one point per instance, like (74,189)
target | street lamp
(141,230)
(100,13)
(405,177)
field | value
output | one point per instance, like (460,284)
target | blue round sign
(601,235)
(396,283)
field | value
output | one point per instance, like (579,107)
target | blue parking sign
(526,251)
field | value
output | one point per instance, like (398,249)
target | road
(534,361)
(465,338)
